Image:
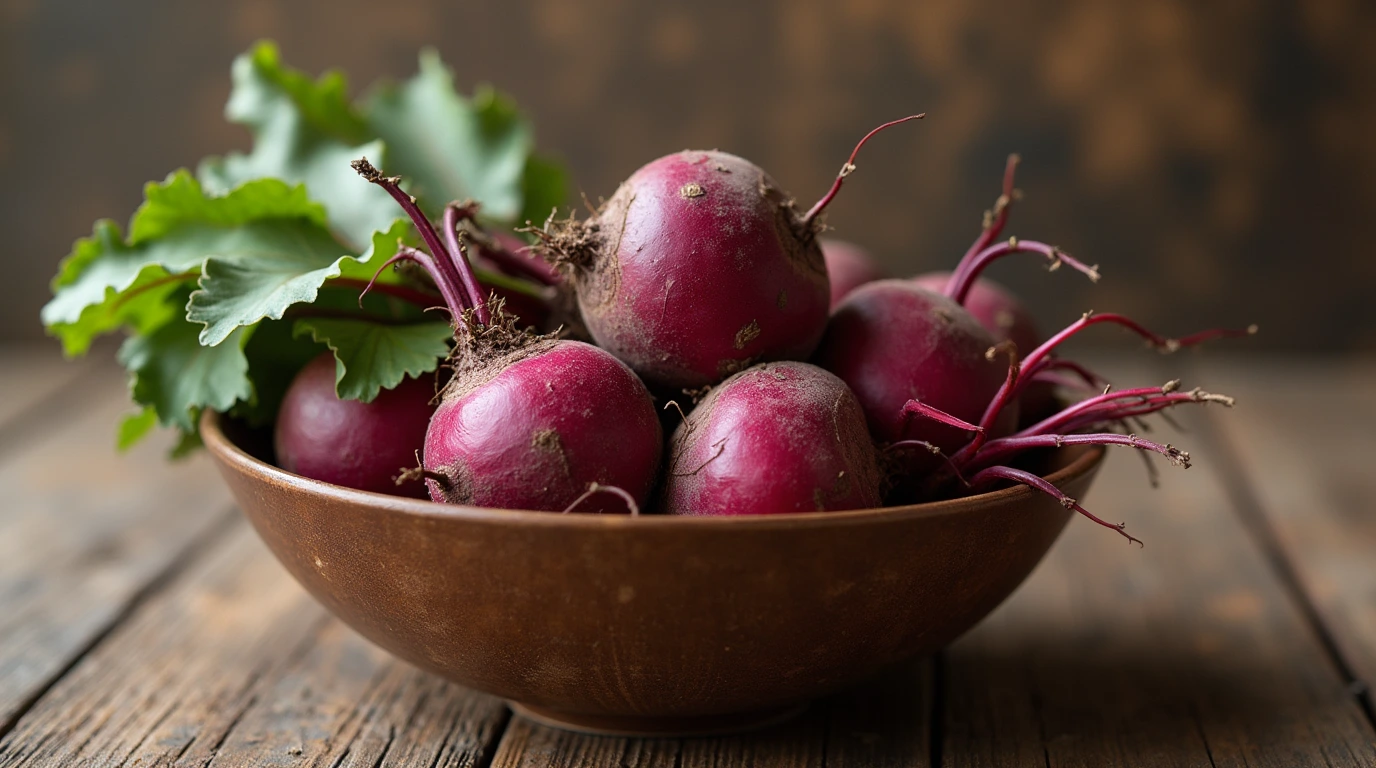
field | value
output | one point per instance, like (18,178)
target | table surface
(142,623)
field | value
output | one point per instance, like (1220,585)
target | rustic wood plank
(881,723)
(84,532)
(1187,652)
(1303,441)
(234,665)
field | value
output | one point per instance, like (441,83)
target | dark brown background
(1217,159)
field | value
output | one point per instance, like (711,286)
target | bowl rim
(227,451)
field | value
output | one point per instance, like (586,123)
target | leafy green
(289,267)
(449,147)
(304,133)
(371,356)
(178,377)
(230,280)
(170,236)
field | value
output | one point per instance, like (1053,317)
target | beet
(995,307)
(527,421)
(697,267)
(348,442)
(893,341)
(772,439)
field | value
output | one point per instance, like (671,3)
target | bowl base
(659,727)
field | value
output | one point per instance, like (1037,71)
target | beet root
(348,442)
(527,434)
(698,267)
(773,439)
(695,268)
(527,421)
(893,341)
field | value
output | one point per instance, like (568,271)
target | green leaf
(371,356)
(102,283)
(176,376)
(304,132)
(133,428)
(289,265)
(449,147)
(544,187)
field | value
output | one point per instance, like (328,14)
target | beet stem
(918,408)
(963,279)
(1121,412)
(995,219)
(849,167)
(595,488)
(407,253)
(1000,449)
(991,474)
(452,214)
(443,259)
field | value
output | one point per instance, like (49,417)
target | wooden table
(142,623)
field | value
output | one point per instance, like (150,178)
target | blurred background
(1216,159)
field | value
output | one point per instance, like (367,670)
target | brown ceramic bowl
(650,624)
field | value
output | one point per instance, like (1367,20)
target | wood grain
(1186,652)
(84,532)
(235,665)
(1303,441)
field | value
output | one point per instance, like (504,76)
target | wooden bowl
(650,624)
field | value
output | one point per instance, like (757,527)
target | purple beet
(697,267)
(348,442)
(526,421)
(772,439)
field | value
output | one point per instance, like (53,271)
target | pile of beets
(788,376)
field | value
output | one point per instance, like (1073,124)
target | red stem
(997,450)
(1126,404)
(1032,362)
(849,167)
(594,488)
(916,408)
(406,253)
(958,287)
(991,474)
(469,280)
(995,219)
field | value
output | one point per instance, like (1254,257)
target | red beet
(893,341)
(995,307)
(848,266)
(772,439)
(526,421)
(348,442)
(697,267)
